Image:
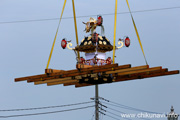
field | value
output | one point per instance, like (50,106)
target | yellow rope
(137,32)
(115,21)
(75,24)
(55,36)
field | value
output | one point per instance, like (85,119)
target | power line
(134,109)
(127,107)
(115,110)
(114,113)
(112,117)
(22,115)
(48,107)
(109,116)
(123,113)
(117,115)
(50,19)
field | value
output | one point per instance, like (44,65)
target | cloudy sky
(25,47)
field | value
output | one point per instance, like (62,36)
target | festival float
(96,68)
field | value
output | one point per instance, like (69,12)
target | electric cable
(112,117)
(51,19)
(117,115)
(128,107)
(115,110)
(119,111)
(48,107)
(134,109)
(33,114)
(124,113)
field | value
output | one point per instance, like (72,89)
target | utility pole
(96,102)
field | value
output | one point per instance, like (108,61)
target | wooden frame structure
(93,75)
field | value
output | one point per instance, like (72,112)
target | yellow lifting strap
(115,21)
(75,24)
(55,35)
(137,32)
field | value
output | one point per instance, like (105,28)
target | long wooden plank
(94,71)
(148,73)
(140,75)
(69,84)
(129,69)
(61,82)
(63,72)
(115,68)
(80,66)
(103,70)
(106,68)
(60,79)
(86,69)
(141,71)
(136,76)
(161,74)
(122,75)
(40,79)
(30,77)
(53,80)
(48,71)
(149,76)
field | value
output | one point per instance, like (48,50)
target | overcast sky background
(25,48)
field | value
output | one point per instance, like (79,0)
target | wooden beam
(69,84)
(161,74)
(81,66)
(101,69)
(140,71)
(121,73)
(40,79)
(79,73)
(84,70)
(29,77)
(136,76)
(113,68)
(48,71)
(139,75)
(52,80)
(61,82)
(59,79)
(75,71)
(129,69)
(148,73)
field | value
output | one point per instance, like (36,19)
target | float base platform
(92,75)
